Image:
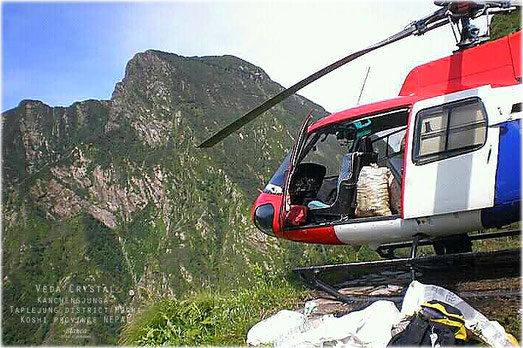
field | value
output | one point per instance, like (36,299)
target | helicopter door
(452,155)
(297,148)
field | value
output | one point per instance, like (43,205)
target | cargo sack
(435,324)
(372,192)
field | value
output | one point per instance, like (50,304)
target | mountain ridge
(115,192)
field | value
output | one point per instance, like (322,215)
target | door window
(449,130)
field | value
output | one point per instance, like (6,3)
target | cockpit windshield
(275,185)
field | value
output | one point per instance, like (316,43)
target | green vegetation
(37,253)
(222,315)
(180,216)
(505,24)
(213,317)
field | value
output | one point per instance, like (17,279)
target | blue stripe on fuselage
(508,175)
(508,178)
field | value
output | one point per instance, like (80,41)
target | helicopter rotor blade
(429,22)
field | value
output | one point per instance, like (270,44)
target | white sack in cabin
(372,196)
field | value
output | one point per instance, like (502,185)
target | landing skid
(446,245)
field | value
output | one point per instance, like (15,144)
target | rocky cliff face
(115,193)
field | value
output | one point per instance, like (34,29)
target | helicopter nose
(263,218)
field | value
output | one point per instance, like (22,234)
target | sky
(64,52)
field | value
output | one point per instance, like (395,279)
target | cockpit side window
(328,152)
(389,143)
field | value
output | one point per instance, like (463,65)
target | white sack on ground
(372,197)
(491,332)
(370,327)
(269,329)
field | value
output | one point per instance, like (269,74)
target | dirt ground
(504,309)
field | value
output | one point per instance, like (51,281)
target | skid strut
(316,283)
(413,254)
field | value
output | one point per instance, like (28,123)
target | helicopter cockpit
(326,176)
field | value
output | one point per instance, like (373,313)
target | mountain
(109,204)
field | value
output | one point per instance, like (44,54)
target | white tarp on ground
(370,327)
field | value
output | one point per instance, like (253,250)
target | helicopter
(450,143)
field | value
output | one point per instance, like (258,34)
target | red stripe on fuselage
(317,235)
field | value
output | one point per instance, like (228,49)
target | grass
(213,317)
(504,24)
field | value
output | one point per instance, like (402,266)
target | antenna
(363,85)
